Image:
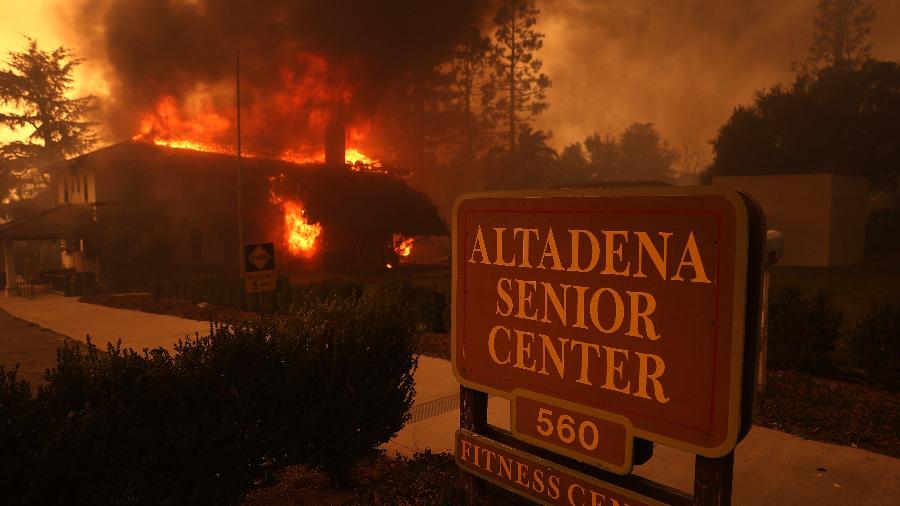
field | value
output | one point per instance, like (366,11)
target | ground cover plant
(323,386)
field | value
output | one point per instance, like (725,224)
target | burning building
(314,86)
(320,217)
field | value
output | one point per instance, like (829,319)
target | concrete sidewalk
(67,316)
(771,467)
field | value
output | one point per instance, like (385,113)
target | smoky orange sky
(681,64)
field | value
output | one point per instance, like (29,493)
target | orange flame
(299,234)
(199,121)
(403,247)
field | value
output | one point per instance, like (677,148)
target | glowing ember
(299,234)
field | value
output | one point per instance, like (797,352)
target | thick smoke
(683,64)
(300,60)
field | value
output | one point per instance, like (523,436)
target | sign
(606,314)
(540,480)
(259,267)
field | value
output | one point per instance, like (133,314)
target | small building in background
(822,216)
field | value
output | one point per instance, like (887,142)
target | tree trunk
(513,57)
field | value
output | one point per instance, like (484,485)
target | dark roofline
(18,229)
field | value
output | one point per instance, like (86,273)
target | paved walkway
(67,316)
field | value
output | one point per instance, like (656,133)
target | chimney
(335,141)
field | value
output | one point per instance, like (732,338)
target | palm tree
(535,163)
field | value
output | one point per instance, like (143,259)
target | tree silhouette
(533,165)
(574,165)
(843,121)
(645,156)
(638,154)
(467,68)
(604,155)
(517,89)
(839,39)
(34,89)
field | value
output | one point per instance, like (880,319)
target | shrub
(802,330)
(326,290)
(19,432)
(427,303)
(156,289)
(323,386)
(875,344)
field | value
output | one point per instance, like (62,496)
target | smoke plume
(170,64)
(683,65)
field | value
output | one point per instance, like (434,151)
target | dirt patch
(425,479)
(832,411)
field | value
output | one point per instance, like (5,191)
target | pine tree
(34,88)
(467,68)
(839,39)
(517,89)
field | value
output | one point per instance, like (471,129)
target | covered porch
(63,224)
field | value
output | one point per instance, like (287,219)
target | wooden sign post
(609,318)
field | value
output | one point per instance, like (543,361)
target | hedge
(429,304)
(323,386)
(802,330)
(875,343)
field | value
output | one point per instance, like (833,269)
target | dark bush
(883,234)
(156,289)
(427,303)
(323,386)
(20,430)
(875,344)
(802,330)
(326,290)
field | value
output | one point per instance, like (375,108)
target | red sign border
(738,338)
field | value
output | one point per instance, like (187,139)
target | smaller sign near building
(259,267)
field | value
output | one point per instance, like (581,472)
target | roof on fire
(354,201)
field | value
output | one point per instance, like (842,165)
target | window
(65,191)
(196,245)
(86,199)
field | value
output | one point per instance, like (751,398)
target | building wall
(193,205)
(822,216)
(76,187)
